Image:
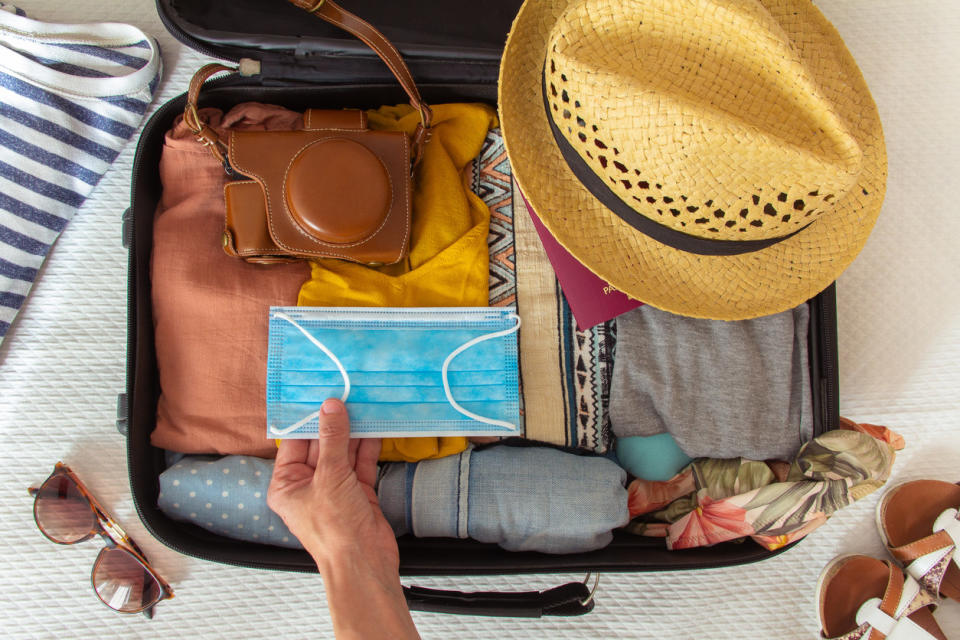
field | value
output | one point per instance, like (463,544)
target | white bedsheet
(899,308)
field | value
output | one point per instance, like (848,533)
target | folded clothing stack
(213,385)
(535,498)
(522,498)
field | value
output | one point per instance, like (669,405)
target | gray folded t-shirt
(722,389)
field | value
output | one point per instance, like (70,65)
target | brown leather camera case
(332,190)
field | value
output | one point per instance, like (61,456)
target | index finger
(292,451)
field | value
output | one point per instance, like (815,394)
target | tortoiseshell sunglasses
(67,513)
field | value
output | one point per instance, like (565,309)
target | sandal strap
(885,627)
(888,618)
(927,559)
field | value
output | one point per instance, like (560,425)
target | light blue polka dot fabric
(225,495)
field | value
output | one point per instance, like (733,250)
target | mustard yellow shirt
(447,265)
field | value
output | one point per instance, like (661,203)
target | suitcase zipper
(183,37)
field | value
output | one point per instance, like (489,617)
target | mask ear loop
(461,349)
(333,358)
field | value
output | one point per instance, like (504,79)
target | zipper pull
(248,67)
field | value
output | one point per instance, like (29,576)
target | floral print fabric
(714,501)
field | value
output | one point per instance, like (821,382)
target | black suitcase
(305,63)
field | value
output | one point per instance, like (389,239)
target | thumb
(333,436)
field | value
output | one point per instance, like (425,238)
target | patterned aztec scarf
(566,398)
(775,503)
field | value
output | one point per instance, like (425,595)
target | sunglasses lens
(63,513)
(123,583)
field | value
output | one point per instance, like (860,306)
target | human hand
(323,490)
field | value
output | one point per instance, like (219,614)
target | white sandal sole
(878,515)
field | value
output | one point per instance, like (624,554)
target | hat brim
(736,287)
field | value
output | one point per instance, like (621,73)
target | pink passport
(592,299)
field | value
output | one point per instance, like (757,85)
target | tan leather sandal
(862,598)
(920,524)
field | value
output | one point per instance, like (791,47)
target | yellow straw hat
(714,158)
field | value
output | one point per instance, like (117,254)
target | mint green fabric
(657,458)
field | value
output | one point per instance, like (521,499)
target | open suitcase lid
(291,45)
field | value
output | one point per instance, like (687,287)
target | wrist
(364,595)
(334,562)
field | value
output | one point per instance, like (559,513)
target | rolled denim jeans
(522,498)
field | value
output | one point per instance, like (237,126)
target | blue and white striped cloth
(71,97)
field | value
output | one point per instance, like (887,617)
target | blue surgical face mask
(401,372)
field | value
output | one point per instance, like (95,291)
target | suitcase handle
(571,599)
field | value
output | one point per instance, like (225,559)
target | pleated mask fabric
(400,371)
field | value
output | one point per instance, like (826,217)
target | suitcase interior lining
(285,31)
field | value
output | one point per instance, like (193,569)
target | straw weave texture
(722,119)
